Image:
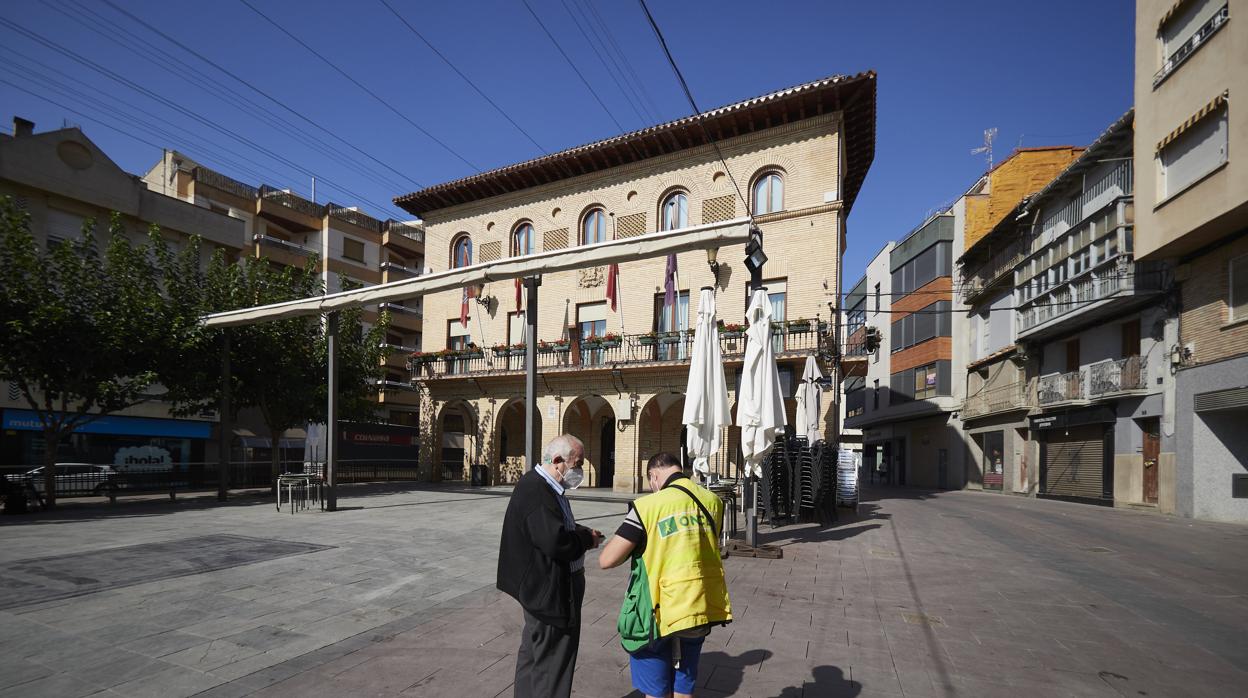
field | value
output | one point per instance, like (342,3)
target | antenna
(990,134)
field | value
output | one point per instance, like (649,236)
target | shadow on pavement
(722,672)
(827,682)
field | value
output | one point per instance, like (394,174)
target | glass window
(673,318)
(675,213)
(768,194)
(591,321)
(461,252)
(353,250)
(1238,288)
(522,241)
(594,227)
(925,382)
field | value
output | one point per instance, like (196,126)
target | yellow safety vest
(681,567)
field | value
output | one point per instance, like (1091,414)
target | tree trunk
(51,444)
(275,440)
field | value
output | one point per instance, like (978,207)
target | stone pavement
(918,594)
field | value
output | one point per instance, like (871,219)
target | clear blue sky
(1042,73)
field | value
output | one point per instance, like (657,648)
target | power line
(632,103)
(268,117)
(641,85)
(173,105)
(460,73)
(576,70)
(361,85)
(257,90)
(696,111)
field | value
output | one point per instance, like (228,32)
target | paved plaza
(918,594)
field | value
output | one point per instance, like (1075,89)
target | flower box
(798,325)
(611,343)
(588,344)
(647,340)
(731,334)
(670,338)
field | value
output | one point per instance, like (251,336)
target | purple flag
(669,283)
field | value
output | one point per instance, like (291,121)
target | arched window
(522,241)
(461,252)
(768,193)
(674,213)
(594,227)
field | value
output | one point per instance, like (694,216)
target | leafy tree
(277,366)
(81,329)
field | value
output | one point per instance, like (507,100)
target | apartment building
(614,374)
(1192,196)
(998,393)
(60,178)
(353,248)
(865,379)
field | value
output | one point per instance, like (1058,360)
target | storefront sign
(142,458)
(1063,420)
(28,420)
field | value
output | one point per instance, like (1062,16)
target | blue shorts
(652,670)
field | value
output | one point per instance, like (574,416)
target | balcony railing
(354,217)
(1001,264)
(290,201)
(1183,52)
(1114,376)
(1061,387)
(226,184)
(394,266)
(632,349)
(1117,182)
(1117,276)
(1002,398)
(400,308)
(408,231)
(261,239)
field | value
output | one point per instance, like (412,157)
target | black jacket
(536,552)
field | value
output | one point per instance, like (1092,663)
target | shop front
(1077,455)
(126,443)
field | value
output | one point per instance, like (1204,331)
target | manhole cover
(921,619)
(1096,549)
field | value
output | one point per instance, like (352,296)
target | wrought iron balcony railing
(354,217)
(408,231)
(1195,41)
(630,349)
(228,185)
(1114,376)
(1061,387)
(400,308)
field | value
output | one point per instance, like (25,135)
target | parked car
(74,478)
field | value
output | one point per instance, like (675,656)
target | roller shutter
(1074,462)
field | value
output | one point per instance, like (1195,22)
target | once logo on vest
(678,522)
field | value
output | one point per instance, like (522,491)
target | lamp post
(755,258)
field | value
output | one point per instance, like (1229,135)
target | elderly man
(541,564)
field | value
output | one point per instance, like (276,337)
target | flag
(669,284)
(519,286)
(463,306)
(463,258)
(613,285)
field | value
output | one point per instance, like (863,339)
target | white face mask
(573,478)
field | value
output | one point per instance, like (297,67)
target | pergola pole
(530,372)
(224,423)
(331,417)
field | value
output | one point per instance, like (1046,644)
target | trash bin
(480,475)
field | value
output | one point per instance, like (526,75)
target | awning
(1191,120)
(658,244)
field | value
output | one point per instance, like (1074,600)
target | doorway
(606,466)
(1152,451)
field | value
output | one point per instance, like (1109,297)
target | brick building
(616,377)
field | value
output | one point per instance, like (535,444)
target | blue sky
(1042,73)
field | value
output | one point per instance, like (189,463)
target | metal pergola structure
(530,268)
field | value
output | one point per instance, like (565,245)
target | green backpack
(636,625)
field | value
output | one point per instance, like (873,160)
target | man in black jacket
(541,564)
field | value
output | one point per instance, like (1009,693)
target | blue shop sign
(28,420)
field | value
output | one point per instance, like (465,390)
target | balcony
(394,267)
(999,266)
(1117,277)
(216,180)
(410,232)
(1198,39)
(292,212)
(402,309)
(1002,398)
(354,217)
(1114,377)
(651,349)
(1116,183)
(260,239)
(1060,388)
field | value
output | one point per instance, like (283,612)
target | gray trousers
(547,657)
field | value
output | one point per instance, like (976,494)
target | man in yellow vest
(676,591)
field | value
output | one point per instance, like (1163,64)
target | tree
(81,330)
(279,366)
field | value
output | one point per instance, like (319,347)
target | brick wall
(1025,172)
(1205,321)
(922,354)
